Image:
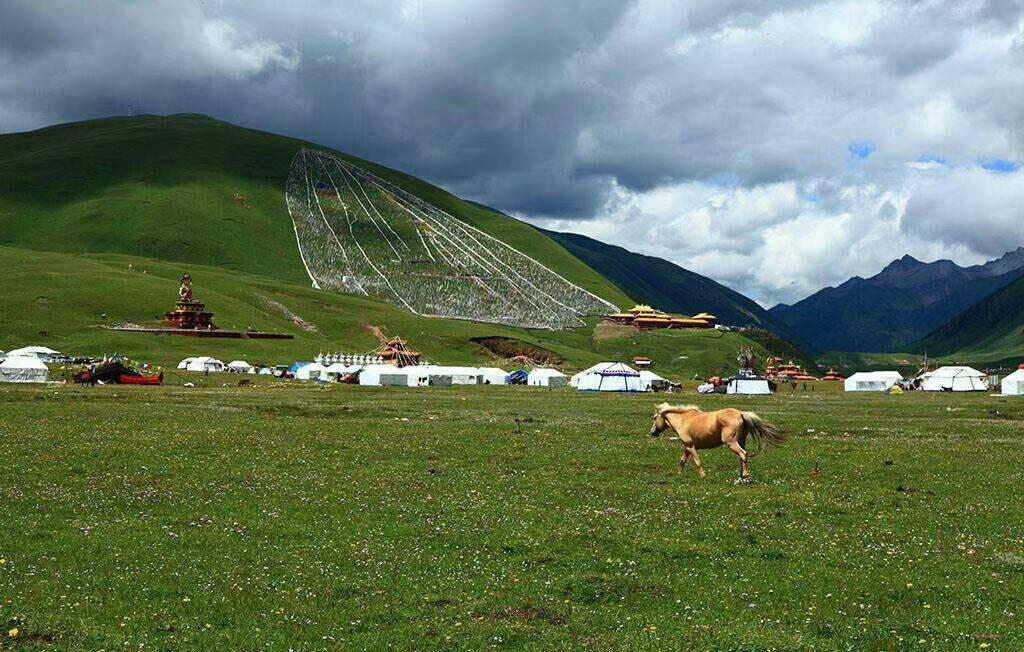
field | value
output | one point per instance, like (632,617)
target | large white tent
(610,377)
(310,371)
(955,379)
(23,369)
(1013,385)
(40,352)
(748,386)
(871,381)
(545,377)
(389,375)
(241,367)
(203,363)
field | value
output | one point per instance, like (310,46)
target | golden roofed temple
(644,317)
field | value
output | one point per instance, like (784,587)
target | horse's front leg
(692,451)
(683,457)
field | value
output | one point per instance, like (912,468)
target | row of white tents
(943,379)
(26,365)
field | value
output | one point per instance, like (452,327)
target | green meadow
(288,515)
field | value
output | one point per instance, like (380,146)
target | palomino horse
(700,430)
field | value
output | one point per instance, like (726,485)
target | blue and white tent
(609,377)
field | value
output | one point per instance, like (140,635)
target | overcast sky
(775,146)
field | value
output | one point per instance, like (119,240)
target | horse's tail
(764,433)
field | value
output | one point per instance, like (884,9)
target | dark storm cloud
(607,113)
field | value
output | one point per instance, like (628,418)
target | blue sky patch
(862,149)
(1000,165)
(928,158)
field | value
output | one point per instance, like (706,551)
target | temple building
(644,317)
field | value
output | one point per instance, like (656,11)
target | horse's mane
(665,408)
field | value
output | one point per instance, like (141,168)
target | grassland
(288,515)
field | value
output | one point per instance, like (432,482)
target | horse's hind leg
(744,459)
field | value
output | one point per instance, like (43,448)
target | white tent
(340,369)
(610,377)
(41,352)
(241,366)
(23,369)
(647,378)
(388,375)
(1013,385)
(544,377)
(310,371)
(871,381)
(748,386)
(955,379)
(492,376)
(204,363)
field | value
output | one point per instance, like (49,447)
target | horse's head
(659,421)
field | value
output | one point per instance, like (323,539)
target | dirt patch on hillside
(607,330)
(507,347)
(307,326)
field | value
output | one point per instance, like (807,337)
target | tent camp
(544,377)
(1013,385)
(204,363)
(871,381)
(610,377)
(23,369)
(955,379)
(309,371)
(241,367)
(748,386)
(41,352)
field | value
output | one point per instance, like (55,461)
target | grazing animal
(700,430)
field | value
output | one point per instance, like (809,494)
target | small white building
(23,369)
(955,379)
(872,381)
(545,377)
(1013,385)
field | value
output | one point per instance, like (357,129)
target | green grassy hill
(59,300)
(103,217)
(196,190)
(991,331)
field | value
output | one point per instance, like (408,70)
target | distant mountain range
(896,307)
